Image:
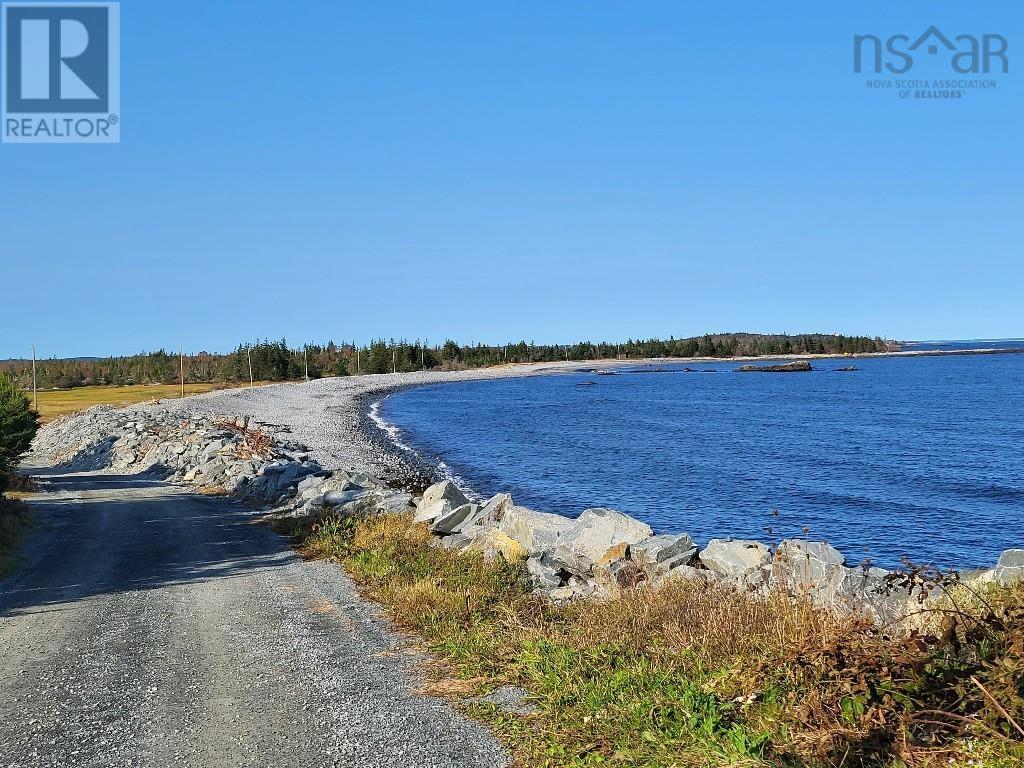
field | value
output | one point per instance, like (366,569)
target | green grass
(687,675)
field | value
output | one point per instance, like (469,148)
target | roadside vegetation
(276,361)
(696,675)
(18,424)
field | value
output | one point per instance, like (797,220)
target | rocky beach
(311,450)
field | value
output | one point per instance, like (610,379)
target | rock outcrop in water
(798,367)
(600,553)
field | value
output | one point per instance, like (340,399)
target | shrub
(18,424)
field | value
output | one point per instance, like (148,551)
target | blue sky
(540,170)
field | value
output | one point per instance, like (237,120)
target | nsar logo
(61,73)
(965,54)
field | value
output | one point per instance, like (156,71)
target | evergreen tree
(18,424)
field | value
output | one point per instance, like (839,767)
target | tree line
(276,361)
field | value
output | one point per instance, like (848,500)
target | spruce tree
(18,423)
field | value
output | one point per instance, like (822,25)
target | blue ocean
(905,457)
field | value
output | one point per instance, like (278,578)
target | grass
(693,675)
(13,520)
(54,403)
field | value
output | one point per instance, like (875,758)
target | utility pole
(35,389)
(305,362)
(248,354)
(181,363)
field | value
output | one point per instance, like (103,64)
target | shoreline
(332,415)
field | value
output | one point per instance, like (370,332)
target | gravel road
(151,627)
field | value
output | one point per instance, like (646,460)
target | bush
(18,424)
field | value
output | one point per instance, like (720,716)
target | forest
(276,361)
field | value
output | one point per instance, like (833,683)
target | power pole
(181,363)
(35,389)
(248,354)
(305,362)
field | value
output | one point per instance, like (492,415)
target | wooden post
(305,362)
(181,363)
(248,353)
(357,360)
(423,354)
(35,389)
(394,360)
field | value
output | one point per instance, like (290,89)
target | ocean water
(906,457)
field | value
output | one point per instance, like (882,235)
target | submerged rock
(796,367)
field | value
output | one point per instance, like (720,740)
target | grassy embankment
(54,403)
(693,675)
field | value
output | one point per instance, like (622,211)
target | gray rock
(661,554)
(340,498)
(451,521)
(592,534)
(616,575)
(801,564)
(734,558)
(689,573)
(1010,568)
(439,499)
(489,514)
(536,531)
(864,589)
(456,541)
(544,573)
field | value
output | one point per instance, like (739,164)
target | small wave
(395,436)
(389,429)
(450,474)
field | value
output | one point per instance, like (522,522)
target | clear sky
(491,171)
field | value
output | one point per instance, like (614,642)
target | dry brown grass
(692,674)
(59,402)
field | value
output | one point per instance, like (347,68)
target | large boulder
(864,589)
(488,515)
(536,531)
(735,558)
(801,564)
(439,499)
(592,534)
(1010,568)
(660,554)
(451,521)
(493,543)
